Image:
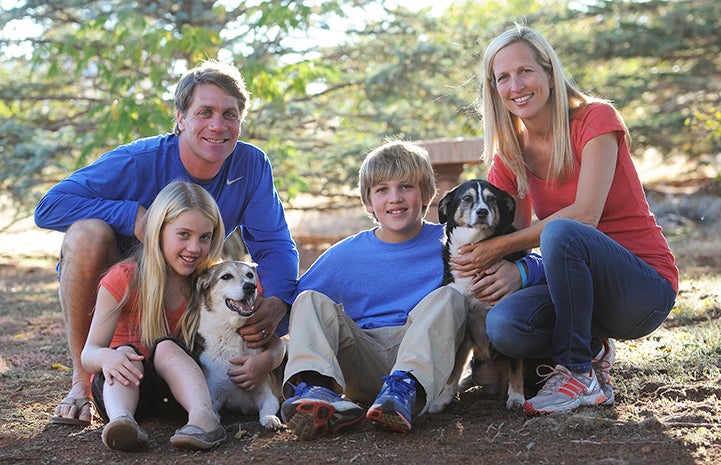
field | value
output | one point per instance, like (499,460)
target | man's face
(209,130)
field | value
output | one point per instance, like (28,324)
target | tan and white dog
(474,211)
(225,295)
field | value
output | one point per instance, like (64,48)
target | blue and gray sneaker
(394,405)
(315,411)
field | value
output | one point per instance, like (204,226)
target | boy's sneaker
(565,391)
(316,411)
(393,406)
(602,363)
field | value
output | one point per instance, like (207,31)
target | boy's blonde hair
(397,160)
(152,269)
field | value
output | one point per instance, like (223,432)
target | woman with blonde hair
(610,273)
(142,329)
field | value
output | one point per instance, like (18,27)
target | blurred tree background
(331,79)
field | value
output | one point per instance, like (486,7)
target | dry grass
(668,386)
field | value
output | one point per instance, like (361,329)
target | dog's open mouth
(242,307)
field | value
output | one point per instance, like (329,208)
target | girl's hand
(122,365)
(499,280)
(248,372)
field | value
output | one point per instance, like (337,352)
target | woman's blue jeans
(595,288)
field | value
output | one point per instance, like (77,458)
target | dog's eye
(226,276)
(249,275)
(467,198)
(490,198)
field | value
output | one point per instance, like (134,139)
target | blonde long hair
(152,269)
(502,130)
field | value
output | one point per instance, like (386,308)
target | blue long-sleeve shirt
(112,188)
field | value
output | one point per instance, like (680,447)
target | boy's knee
(313,299)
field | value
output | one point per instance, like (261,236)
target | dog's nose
(249,288)
(482,212)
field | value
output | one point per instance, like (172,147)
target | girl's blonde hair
(502,129)
(152,268)
(397,160)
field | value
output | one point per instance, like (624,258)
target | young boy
(370,320)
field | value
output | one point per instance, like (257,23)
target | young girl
(609,270)
(141,332)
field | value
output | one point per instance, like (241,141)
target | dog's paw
(436,408)
(440,404)
(515,402)
(271,422)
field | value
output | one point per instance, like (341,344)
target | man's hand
(261,326)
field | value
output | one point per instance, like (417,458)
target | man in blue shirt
(101,208)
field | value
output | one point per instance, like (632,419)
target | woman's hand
(476,259)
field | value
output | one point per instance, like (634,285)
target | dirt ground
(685,429)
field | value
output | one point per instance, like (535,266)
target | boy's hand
(496,282)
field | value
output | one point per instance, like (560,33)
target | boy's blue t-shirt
(379,283)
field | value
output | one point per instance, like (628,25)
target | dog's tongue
(239,306)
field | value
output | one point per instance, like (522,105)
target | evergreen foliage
(330,79)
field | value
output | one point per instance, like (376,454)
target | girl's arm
(96,356)
(596,175)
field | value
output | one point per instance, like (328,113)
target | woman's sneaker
(564,391)
(602,364)
(316,411)
(394,405)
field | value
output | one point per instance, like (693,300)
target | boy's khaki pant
(325,340)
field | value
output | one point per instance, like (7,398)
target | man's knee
(90,240)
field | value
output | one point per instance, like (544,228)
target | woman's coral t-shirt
(626,217)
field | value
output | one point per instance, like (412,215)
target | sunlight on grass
(687,347)
(671,379)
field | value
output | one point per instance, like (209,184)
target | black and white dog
(225,294)
(475,211)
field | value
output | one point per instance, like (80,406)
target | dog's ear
(444,205)
(509,205)
(202,283)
